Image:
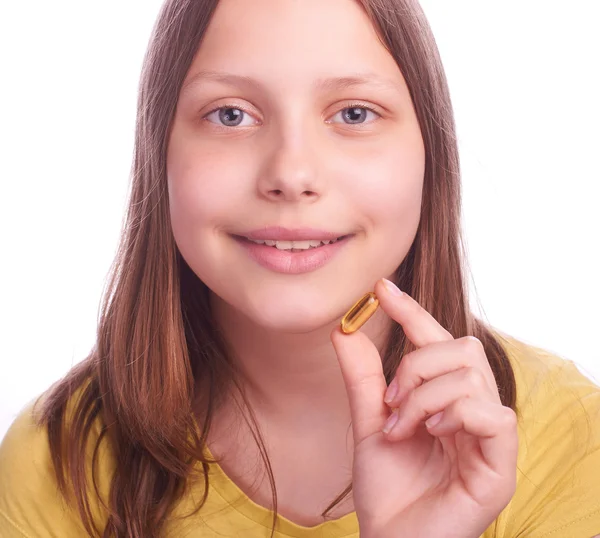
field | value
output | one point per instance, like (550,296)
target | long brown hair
(157,352)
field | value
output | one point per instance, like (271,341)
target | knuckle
(407,374)
(411,404)
(407,365)
(411,398)
(460,407)
(508,418)
(475,378)
(471,345)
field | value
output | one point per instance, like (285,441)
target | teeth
(296,245)
(303,245)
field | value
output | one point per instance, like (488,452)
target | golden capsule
(358,315)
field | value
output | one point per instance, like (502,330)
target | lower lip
(285,261)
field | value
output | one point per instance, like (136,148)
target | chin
(292,317)
(283,306)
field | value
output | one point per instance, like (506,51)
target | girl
(291,156)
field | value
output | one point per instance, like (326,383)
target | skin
(295,162)
(448,479)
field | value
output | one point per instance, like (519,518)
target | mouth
(300,245)
(292,251)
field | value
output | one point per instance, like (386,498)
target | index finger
(420,327)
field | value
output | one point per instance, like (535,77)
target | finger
(435,396)
(420,326)
(437,359)
(494,425)
(363,375)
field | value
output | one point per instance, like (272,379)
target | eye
(229,116)
(355,115)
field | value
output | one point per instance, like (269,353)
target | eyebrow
(322,84)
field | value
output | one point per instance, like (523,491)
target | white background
(524,80)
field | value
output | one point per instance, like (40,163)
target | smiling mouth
(294,246)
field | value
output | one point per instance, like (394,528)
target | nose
(290,173)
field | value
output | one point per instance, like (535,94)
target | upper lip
(279,233)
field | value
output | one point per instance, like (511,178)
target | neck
(292,378)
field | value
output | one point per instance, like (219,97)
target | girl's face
(293,116)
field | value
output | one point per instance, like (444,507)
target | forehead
(295,40)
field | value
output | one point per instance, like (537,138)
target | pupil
(231,116)
(355,115)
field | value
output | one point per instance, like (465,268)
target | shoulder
(557,405)
(549,384)
(30,502)
(558,474)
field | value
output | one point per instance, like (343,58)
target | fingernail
(391,391)
(390,422)
(391,287)
(434,419)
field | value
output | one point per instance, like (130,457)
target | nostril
(278,193)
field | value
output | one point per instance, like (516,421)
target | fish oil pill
(358,315)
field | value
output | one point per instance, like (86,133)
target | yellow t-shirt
(557,496)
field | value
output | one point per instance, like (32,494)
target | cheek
(389,194)
(390,187)
(206,184)
(203,186)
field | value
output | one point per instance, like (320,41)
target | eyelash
(359,105)
(222,107)
(243,109)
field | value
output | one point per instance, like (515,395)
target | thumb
(362,371)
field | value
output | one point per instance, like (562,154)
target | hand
(448,480)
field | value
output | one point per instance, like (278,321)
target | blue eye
(355,115)
(230,117)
